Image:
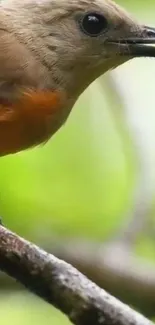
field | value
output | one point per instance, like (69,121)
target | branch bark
(62,285)
(115,268)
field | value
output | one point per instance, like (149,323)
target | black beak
(143,45)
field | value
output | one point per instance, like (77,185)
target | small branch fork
(62,285)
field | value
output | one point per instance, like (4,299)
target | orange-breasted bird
(50,51)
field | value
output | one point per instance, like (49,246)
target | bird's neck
(28,22)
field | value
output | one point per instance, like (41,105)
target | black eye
(93,24)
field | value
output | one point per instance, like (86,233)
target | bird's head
(78,40)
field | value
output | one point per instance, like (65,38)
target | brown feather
(30,121)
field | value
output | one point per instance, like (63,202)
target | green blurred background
(81,182)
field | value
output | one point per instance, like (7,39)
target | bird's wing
(28,115)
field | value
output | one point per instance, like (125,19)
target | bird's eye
(93,24)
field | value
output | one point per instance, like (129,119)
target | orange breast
(31,120)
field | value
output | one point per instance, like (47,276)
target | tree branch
(137,220)
(62,285)
(115,268)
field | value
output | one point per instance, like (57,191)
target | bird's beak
(138,46)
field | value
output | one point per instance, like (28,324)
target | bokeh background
(94,181)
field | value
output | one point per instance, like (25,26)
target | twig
(137,219)
(115,268)
(62,285)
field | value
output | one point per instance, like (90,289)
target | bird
(50,52)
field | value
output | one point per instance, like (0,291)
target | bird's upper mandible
(51,50)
